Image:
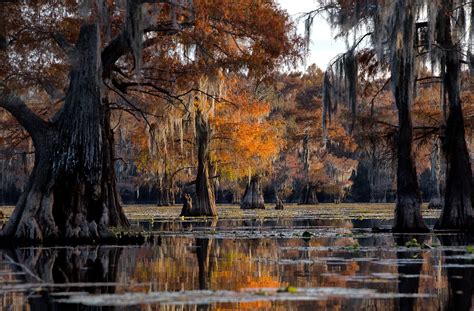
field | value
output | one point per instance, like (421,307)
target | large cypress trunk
(32,218)
(408,216)
(457,210)
(205,204)
(253,196)
(72,192)
(85,194)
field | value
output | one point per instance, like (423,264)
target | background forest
(273,129)
(124,122)
(266,121)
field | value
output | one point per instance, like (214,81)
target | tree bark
(32,218)
(205,201)
(457,211)
(253,196)
(71,193)
(408,216)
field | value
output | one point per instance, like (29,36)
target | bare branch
(63,44)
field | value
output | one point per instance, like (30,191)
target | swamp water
(301,258)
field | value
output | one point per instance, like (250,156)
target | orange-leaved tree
(118,56)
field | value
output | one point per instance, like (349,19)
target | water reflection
(245,264)
(460,272)
(28,274)
(409,270)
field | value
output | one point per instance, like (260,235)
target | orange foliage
(245,138)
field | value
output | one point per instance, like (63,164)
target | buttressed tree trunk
(205,201)
(253,196)
(71,193)
(457,210)
(408,216)
(309,195)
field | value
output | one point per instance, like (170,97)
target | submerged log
(253,196)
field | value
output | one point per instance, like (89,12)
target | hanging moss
(326,100)
(135,23)
(350,64)
(470,51)
(308,23)
(340,85)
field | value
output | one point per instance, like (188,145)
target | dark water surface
(249,261)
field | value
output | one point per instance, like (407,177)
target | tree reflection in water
(91,269)
(460,273)
(409,269)
(272,254)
